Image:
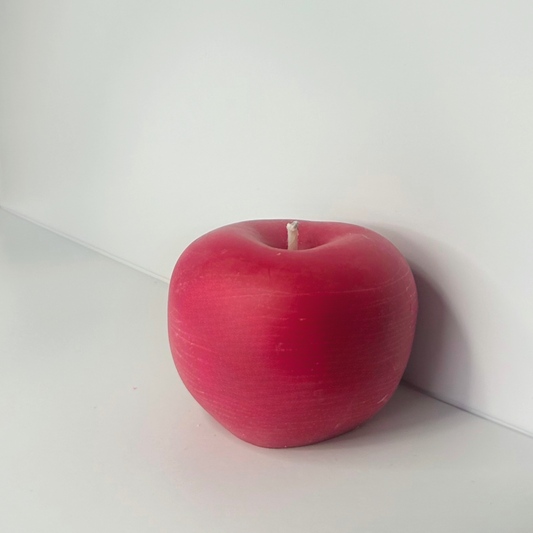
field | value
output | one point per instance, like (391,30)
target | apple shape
(288,347)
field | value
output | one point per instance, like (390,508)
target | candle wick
(292,236)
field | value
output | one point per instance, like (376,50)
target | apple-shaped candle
(290,334)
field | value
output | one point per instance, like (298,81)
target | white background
(99,434)
(134,127)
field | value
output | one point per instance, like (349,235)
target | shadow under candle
(440,349)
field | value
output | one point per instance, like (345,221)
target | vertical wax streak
(292,236)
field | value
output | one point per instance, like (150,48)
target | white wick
(292,236)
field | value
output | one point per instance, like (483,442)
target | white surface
(137,126)
(98,433)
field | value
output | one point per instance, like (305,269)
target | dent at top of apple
(334,256)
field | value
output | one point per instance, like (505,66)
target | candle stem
(292,236)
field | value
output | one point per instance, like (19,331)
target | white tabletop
(99,434)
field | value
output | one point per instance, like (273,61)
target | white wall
(135,126)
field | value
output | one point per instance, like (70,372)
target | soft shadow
(440,348)
(441,351)
(440,341)
(407,416)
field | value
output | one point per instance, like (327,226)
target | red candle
(291,334)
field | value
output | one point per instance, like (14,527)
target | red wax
(291,347)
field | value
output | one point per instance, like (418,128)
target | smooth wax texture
(287,348)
